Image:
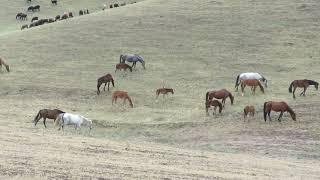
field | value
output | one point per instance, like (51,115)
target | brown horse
(251,82)
(164,91)
(3,63)
(304,83)
(46,113)
(215,103)
(277,107)
(122,95)
(123,66)
(106,79)
(220,94)
(248,110)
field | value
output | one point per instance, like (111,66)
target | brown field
(190,46)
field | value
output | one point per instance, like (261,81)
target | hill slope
(189,46)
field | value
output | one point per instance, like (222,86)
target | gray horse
(134,58)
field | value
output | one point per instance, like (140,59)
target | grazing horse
(70,14)
(214,103)
(30,8)
(24,26)
(81,12)
(123,66)
(304,83)
(116,5)
(72,119)
(248,110)
(3,63)
(19,15)
(46,113)
(55,2)
(251,82)
(220,94)
(106,79)
(164,91)
(57,18)
(34,19)
(277,107)
(134,58)
(36,7)
(111,6)
(64,16)
(122,95)
(251,75)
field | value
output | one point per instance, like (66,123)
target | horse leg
(242,89)
(269,115)
(104,88)
(254,90)
(280,116)
(44,122)
(294,90)
(304,91)
(108,85)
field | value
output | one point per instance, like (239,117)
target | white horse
(73,119)
(251,75)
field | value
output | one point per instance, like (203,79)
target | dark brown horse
(123,66)
(3,63)
(46,113)
(251,82)
(220,94)
(164,91)
(122,95)
(248,110)
(106,79)
(215,103)
(277,107)
(304,83)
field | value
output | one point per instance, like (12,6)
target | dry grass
(189,46)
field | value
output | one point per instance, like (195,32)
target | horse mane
(231,98)
(290,87)
(292,113)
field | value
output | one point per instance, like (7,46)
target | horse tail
(290,87)
(37,117)
(98,86)
(207,96)
(261,87)
(265,111)
(237,81)
(129,99)
(112,81)
(121,57)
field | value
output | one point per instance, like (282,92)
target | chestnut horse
(3,63)
(46,113)
(220,94)
(122,95)
(304,83)
(164,91)
(248,110)
(277,107)
(123,66)
(251,82)
(215,103)
(106,79)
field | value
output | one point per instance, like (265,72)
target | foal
(3,63)
(248,110)
(304,83)
(253,83)
(277,107)
(164,91)
(123,66)
(214,103)
(106,79)
(122,95)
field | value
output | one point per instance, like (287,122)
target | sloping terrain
(188,45)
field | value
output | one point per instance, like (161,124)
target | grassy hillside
(189,46)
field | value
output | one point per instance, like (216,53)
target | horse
(164,91)
(248,110)
(34,18)
(251,75)
(64,16)
(277,107)
(46,113)
(81,13)
(304,83)
(116,5)
(122,95)
(57,18)
(220,94)
(111,6)
(18,15)
(30,8)
(251,82)
(70,14)
(123,4)
(5,65)
(73,119)
(55,2)
(50,20)
(106,79)
(36,7)
(24,26)
(133,58)
(214,103)
(123,66)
